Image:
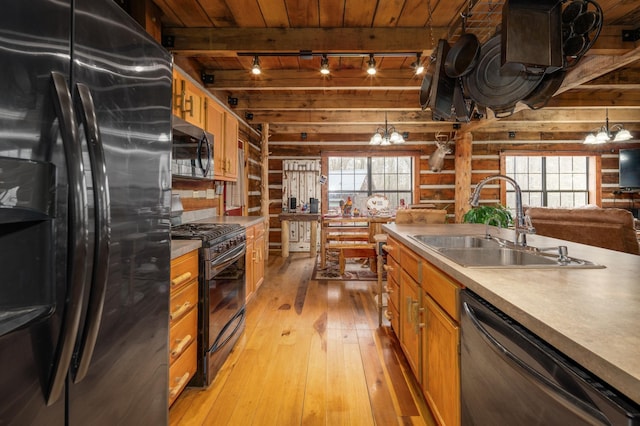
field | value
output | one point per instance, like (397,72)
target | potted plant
(494,215)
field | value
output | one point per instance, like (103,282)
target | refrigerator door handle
(85,109)
(77,238)
(568,400)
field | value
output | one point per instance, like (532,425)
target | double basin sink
(490,252)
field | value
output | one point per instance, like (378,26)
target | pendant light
(606,133)
(386,136)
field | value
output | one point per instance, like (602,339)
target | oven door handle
(236,253)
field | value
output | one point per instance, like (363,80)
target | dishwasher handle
(559,394)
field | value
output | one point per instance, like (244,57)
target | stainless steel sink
(455,241)
(475,251)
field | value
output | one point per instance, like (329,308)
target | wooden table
(371,224)
(313,218)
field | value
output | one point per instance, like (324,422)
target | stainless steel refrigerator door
(124,379)
(34,43)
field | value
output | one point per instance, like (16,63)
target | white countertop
(591,315)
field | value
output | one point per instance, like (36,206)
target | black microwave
(192,150)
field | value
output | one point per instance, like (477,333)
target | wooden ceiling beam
(336,101)
(229,41)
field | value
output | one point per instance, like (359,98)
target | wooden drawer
(393,315)
(393,269)
(411,264)
(181,372)
(183,301)
(393,288)
(392,247)
(182,334)
(442,289)
(184,269)
(250,233)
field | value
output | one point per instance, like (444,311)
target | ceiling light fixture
(255,67)
(372,65)
(324,65)
(386,136)
(606,133)
(417,65)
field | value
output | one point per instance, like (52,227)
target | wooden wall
(439,188)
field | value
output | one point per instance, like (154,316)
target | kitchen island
(591,315)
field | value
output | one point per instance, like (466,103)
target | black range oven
(221,294)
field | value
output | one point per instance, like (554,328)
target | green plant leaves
(492,214)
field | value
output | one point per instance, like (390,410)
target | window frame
(594,177)
(324,166)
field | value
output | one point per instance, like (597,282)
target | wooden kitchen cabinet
(188,99)
(183,318)
(229,157)
(410,320)
(255,258)
(441,342)
(429,329)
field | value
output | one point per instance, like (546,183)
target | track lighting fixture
(255,68)
(417,65)
(372,65)
(324,65)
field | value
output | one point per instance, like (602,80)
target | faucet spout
(522,224)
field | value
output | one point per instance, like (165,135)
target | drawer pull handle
(181,279)
(183,309)
(181,382)
(387,247)
(387,289)
(387,268)
(388,315)
(181,346)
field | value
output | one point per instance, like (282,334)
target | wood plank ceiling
(216,37)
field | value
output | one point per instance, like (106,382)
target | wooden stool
(355,251)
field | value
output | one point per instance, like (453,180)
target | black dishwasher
(511,377)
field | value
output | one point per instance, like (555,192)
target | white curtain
(235,190)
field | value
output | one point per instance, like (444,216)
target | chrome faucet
(523,223)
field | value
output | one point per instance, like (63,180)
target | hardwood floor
(312,354)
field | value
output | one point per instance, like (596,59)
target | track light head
(255,67)
(372,65)
(417,65)
(324,65)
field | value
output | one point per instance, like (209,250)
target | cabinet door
(410,320)
(215,126)
(249,256)
(231,147)
(258,269)
(441,367)
(193,104)
(178,86)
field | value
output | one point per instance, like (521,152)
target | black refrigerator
(85,189)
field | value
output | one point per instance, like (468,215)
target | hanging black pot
(495,86)
(463,56)
(544,90)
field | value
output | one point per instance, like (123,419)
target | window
(361,177)
(551,180)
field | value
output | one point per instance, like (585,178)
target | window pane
(535,199)
(553,165)
(566,182)
(553,182)
(404,165)
(391,182)
(553,199)
(580,182)
(377,165)
(404,182)
(535,181)
(390,165)
(378,183)
(509,165)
